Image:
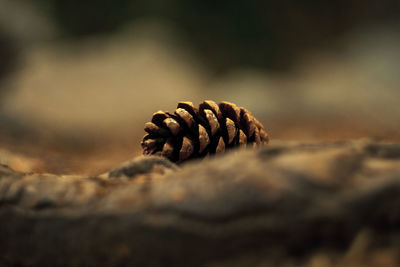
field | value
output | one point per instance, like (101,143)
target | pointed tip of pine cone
(191,132)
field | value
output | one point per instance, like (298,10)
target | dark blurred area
(9,56)
(225,34)
(79,78)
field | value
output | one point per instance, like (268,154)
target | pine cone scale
(242,139)
(221,146)
(168,149)
(230,110)
(187,149)
(212,121)
(158,117)
(247,122)
(204,138)
(211,105)
(231,130)
(172,125)
(185,117)
(189,107)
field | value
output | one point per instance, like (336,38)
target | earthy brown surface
(288,204)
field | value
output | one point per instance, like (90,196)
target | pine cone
(195,133)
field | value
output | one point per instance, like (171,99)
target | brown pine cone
(195,133)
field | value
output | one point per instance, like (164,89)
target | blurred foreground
(290,204)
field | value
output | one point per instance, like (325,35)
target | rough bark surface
(299,204)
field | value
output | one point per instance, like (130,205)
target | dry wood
(304,204)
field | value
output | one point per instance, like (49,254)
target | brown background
(79,80)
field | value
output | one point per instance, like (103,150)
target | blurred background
(78,79)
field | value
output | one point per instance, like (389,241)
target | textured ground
(289,204)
